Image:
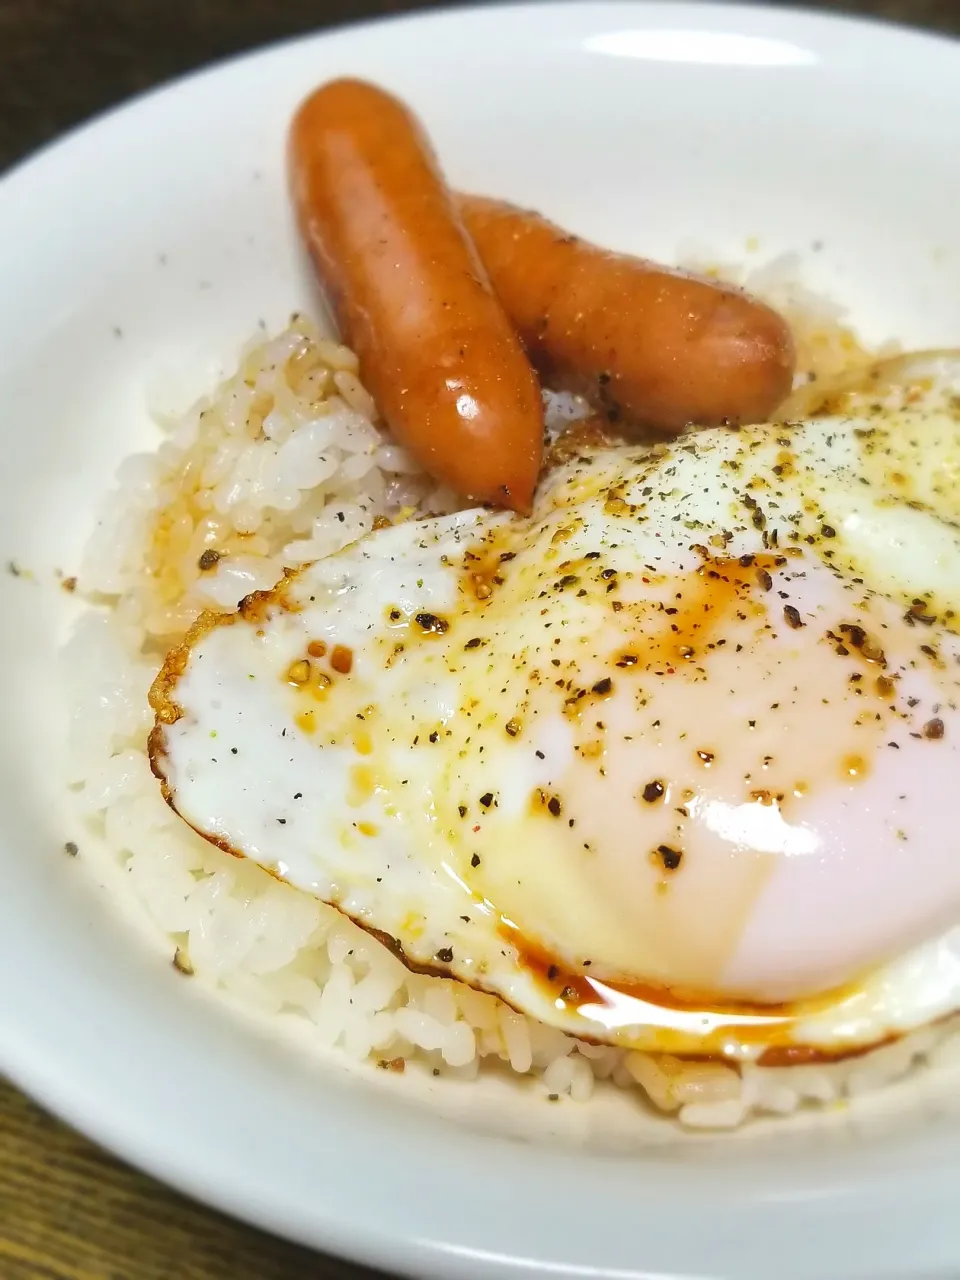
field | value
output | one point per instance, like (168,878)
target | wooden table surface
(69,1211)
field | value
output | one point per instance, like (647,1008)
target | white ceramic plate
(147,247)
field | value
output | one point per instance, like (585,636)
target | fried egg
(668,764)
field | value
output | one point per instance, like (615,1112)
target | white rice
(284,463)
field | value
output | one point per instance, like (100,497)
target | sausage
(410,295)
(656,346)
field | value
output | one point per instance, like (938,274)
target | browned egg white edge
(167,712)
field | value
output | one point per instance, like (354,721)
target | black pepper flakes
(934,729)
(603,686)
(445,955)
(475,860)
(792,616)
(670,857)
(919,612)
(554,806)
(71,849)
(487,799)
(653,791)
(854,634)
(431,623)
(209,559)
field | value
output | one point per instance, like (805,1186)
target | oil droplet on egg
(298,673)
(363,785)
(854,767)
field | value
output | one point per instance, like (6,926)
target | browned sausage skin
(661,347)
(436,349)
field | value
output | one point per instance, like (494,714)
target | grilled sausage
(658,347)
(436,349)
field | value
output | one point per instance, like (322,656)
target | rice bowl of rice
(183,426)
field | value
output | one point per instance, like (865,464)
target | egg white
(760,622)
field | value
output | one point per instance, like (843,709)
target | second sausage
(651,345)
